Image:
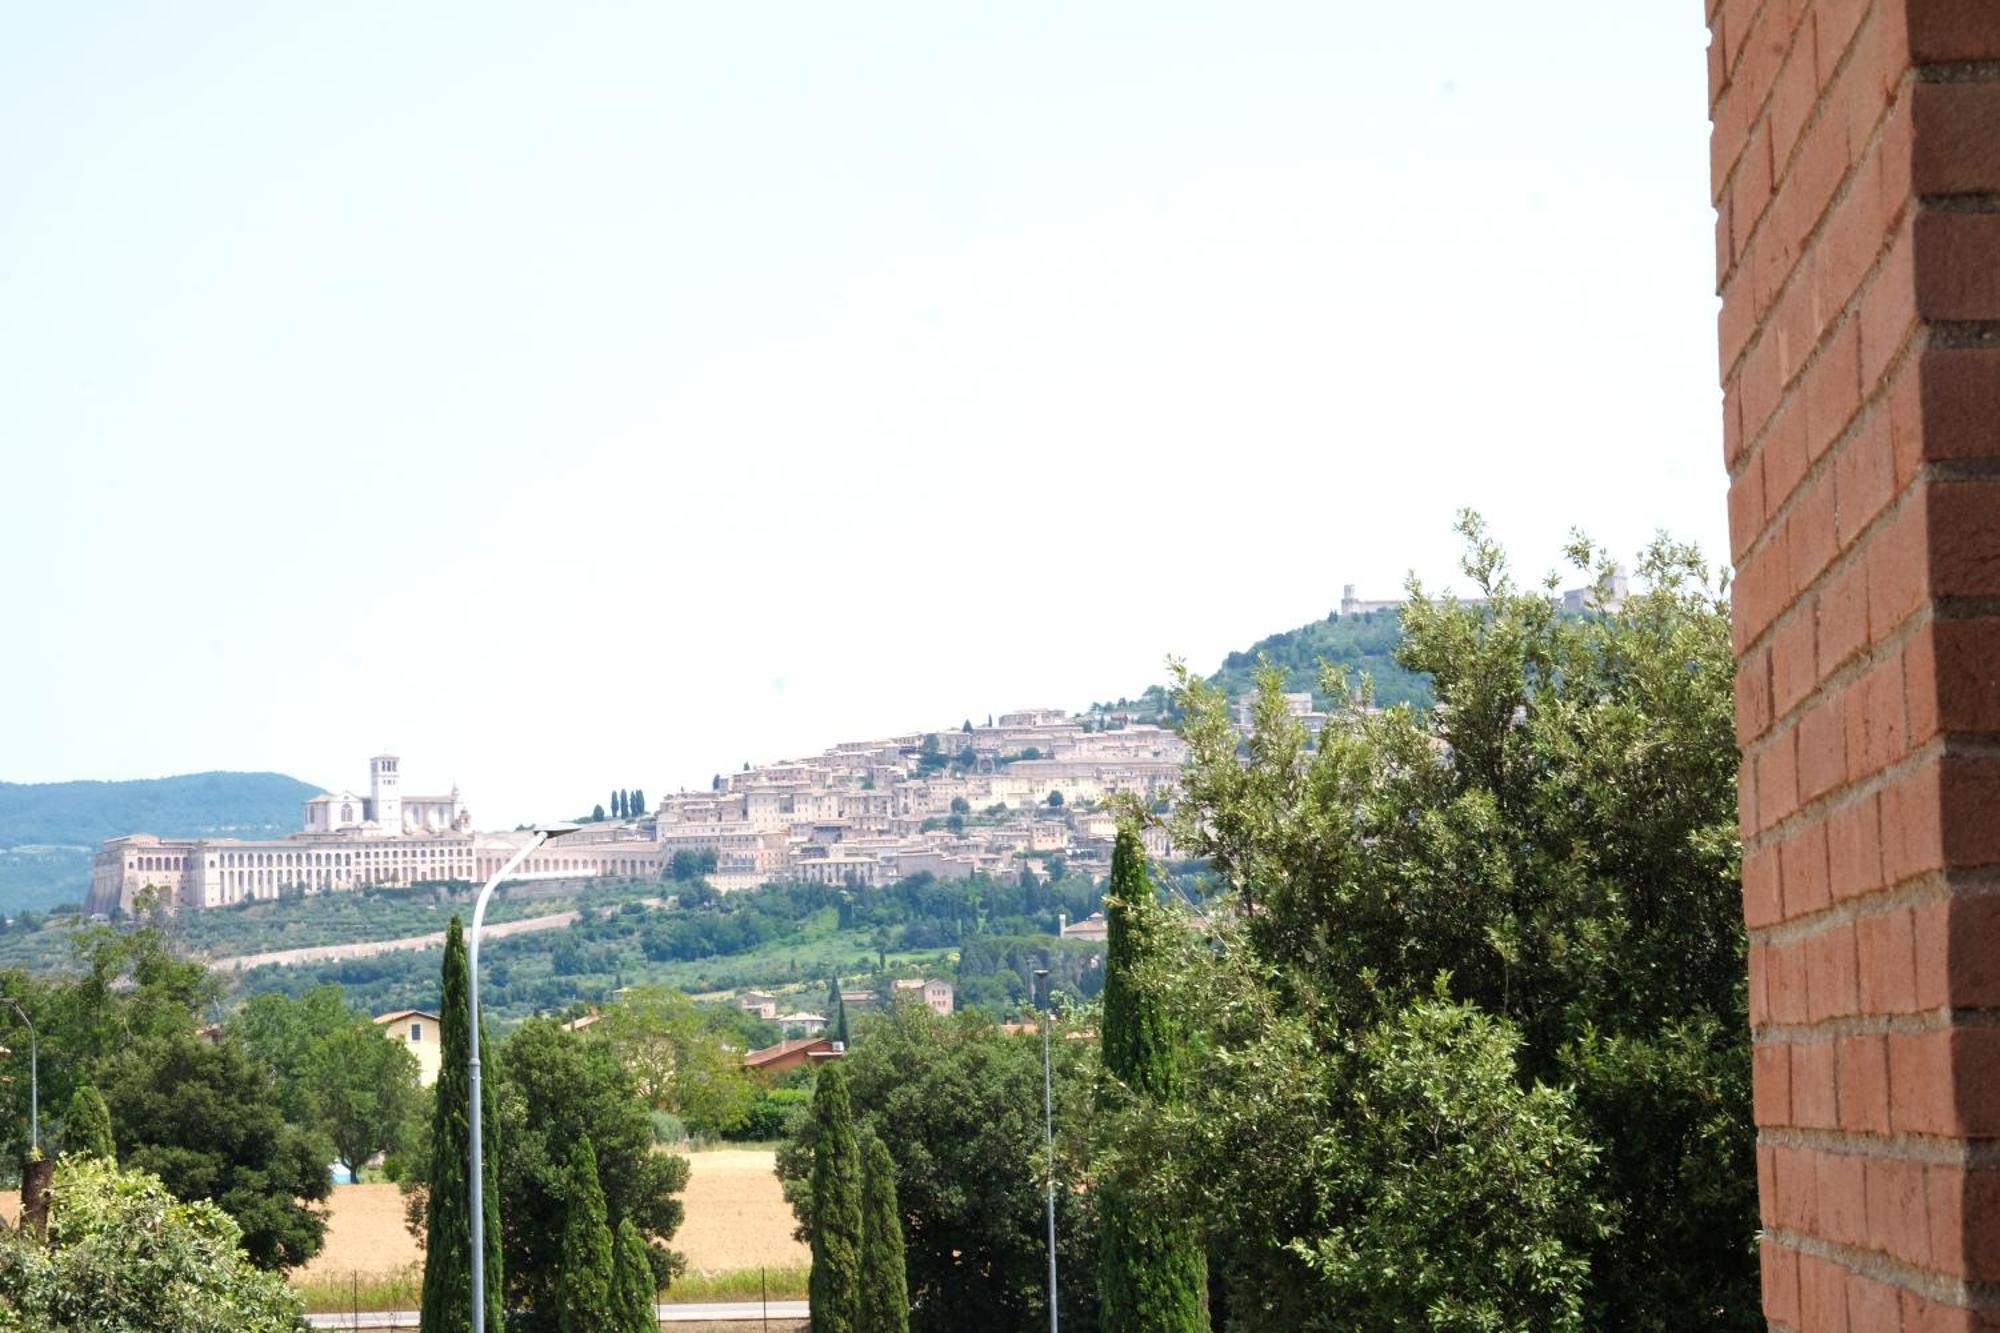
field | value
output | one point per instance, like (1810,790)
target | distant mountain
(49,829)
(1363,643)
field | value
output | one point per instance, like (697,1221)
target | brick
(1746,799)
(1898,1216)
(1760,999)
(1969,790)
(1957,664)
(1924,1315)
(1957,265)
(1961,402)
(1815,1091)
(1912,829)
(1753,688)
(1822,736)
(1964,529)
(1784,457)
(1777,780)
(1780,1270)
(1920,1083)
(1943,30)
(1877,735)
(1862,1065)
(1795,1189)
(1958,138)
(1972,945)
(1854,849)
(1793,96)
(1842,609)
(1964,1242)
(1898,568)
(1794,661)
(1833,390)
(1864,479)
(1872,1304)
(1885,948)
(1833,989)
(1771,1084)
(1843,1214)
(1906,424)
(1888,310)
(1763,902)
(1930,927)
(1811,539)
(1787,982)
(1974,1055)
(1822,1296)
(1758,594)
(1746,509)
(1803,871)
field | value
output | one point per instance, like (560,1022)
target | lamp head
(550,832)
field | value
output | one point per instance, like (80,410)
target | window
(416,1032)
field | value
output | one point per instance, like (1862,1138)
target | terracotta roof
(407,1013)
(759,1058)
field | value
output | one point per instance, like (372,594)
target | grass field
(737,1236)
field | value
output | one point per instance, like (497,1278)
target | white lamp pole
(1049,1136)
(477,1154)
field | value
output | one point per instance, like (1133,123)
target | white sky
(589,395)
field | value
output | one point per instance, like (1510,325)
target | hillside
(1363,644)
(49,829)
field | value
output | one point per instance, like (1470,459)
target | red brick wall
(1856,172)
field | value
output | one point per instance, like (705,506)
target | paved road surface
(718,1313)
(328,953)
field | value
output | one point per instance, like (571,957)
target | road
(328,953)
(721,1312)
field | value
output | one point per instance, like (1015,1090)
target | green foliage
(632,1288)
(556,1089)
(836,1209)
(86,1130)
(334,1069)
(1557,840)
(885,1298)
(1152,1275)
(444,1180)
(677,1057)
(205,1118)
(583,1282)
(958,1104)
(124,1254)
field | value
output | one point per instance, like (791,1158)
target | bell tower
(385,793)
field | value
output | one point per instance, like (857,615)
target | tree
(885,1298)
(632,1288)
(205,1118)
(637,805)
(86,1130)
(559,1087)
(583,1288)
(597,814)
(364,1093)
(1557,839)
(960,806)
(836,1202)
(1153,1273)
(447,1300)
(958,1104)
(967,728)
(1055,800)
(123,1253)
(677,1057)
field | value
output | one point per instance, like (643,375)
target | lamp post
(1049,1138)
(478,1157)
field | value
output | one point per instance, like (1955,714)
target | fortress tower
(385,797)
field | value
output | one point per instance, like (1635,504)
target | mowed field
(736,1219)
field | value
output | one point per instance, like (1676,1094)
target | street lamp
(34,1080)
(548,833)
(1049,1138)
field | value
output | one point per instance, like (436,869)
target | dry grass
(737,1222)
(736,1216)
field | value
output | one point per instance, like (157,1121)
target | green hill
(1363,644)
(49,829)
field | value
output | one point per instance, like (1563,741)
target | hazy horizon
(607,398)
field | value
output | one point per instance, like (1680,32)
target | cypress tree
(447,1295)
(835,1285)
(632,1287)
(87,1127)
(637,805)
(1152,1274)
(584,1301)
(885,1296)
